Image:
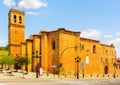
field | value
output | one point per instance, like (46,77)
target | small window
(94,49)
(20,19)
(15,18)
(53,45)
(106,52)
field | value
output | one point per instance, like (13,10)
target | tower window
(20,19)
(94,49)
(53,45)
(15,18)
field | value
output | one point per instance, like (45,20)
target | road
(59,82)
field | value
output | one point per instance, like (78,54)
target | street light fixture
(114,70)
(77,60)
(59,61)
(36,55)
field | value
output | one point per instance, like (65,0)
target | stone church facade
(50,48)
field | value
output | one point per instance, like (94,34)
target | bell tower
(16,29)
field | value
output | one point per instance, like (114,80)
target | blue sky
(95,19)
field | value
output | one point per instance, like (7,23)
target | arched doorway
(106,70)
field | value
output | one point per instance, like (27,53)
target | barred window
(15,19)
(20,19)
(53,45)
(94,49)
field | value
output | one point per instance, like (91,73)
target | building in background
(50,48)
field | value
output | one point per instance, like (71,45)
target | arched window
(53,45)
(105,70)
(15,18)
(20,19)
(94,49)
(106,52)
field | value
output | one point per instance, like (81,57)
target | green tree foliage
(23,61)
(3,59)
(4,47)
(6,59)
(10,60)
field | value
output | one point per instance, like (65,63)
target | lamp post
(59,60)
(77,60)
(114,70)
(36,55)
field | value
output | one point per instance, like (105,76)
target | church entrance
(106,70)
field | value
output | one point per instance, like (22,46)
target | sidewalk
(18,75)
(32,75)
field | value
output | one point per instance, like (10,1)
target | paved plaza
(17,79)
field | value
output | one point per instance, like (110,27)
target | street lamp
(36,55)
(77,60)
(59,60)
(114,70)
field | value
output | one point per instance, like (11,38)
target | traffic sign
(53,66)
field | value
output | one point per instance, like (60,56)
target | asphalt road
(59,82)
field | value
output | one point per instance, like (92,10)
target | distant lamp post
(36,55)
(77,60)
(114,70)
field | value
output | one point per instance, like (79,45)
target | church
(59,51)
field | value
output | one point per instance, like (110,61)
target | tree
(10,60)
(6,59)
(24,61)
(2,59)
(4,47)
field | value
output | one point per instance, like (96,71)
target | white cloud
(32,4)
(115,41)
(91,33)
(9,3)
(32,13)
(0,41)
(108,36)
(118,33)
(3,42)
